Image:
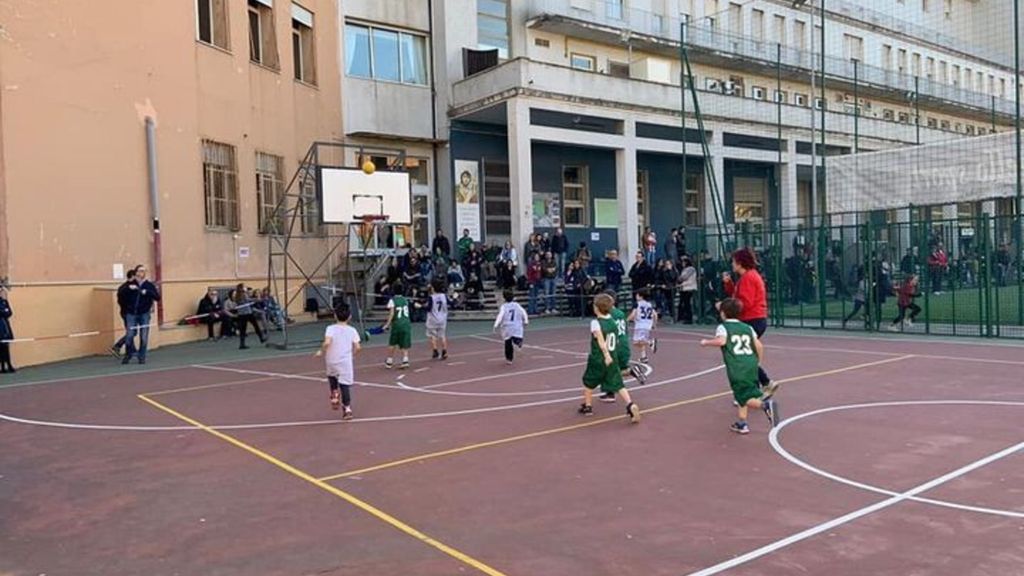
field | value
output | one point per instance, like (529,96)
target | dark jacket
(124,295)
(6,332)
(559,244)
(209,307)
(613,272)
(641,275)
(442,245)
(141,297)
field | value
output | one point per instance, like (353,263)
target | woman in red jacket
(750,291)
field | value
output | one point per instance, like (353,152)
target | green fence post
(871,278)
(988,279)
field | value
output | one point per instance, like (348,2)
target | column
(789,195)
(520,171)
(718,164)
(626,193)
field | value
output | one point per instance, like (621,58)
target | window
(970,129)
(799,34)
(385,55)
(853,46)
(358,59)
(492,25)
(583,62)
(1002,87)
(757,24)
(943,72)
(916,71)
(948,9)
(901,60)
(212,22)
(303,45)
(615,8)
(262,39)
(944,124)
(713,84)
(618,69)
(643,186)
(269,190)
(757,92)
(542,42)
(929,68)
(886,56)
(925,5)
(736,18)
(309,208)
(955,76)
(932,123)
(958,127)
(800,99)
(386,65)
(780,96)
(779,29)
(888,114)
(575,196)
(904,118)
(220,186)
(818,103)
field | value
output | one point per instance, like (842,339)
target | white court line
(545,348)
(773,439)
(301,423)
(856,514)
(825,333)
(502,375)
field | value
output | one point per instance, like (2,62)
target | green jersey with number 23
(740,357)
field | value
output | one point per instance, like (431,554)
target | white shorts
(641,335)
(437,331)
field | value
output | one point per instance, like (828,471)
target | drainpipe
(436,196)
(154,207)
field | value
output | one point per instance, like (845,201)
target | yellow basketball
(369,167)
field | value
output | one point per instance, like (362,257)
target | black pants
(346,393)
(914,311)
(510,352)
(685,307)
(858,305)
(760,326)
(5,356)
(242,323)
(225,326)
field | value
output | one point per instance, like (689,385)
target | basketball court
(895,456)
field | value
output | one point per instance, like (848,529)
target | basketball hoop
(369,225)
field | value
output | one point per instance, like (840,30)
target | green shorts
(743,392)
(608,378)
(401,337)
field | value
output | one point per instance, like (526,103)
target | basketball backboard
(350,194)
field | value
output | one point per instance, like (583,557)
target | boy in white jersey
(437,321)
(341,342)
(644,318)
(512,319)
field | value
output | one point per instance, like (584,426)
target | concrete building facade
(236,90)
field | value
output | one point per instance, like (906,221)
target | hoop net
(369,223)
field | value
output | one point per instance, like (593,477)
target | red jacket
(751,292)
(906,295)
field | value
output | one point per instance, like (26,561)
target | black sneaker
(654,346)
(634,413)
(638,372)
(444,354)
(126,359)
(740,428)
(435,355)
(607,397)
(771,410)
(115,351)
(586,410)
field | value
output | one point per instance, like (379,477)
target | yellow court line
(366,507)
(223,384)
(517,438)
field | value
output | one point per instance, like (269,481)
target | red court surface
(902,457)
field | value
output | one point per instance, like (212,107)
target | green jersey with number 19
(740,357)
(622,352)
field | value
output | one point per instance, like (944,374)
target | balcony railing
(612,14)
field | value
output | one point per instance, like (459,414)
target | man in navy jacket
(139,300)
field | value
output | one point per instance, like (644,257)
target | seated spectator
(613,271)
(211,310)
(411,276)
(507,275)
(455,277)
(474,293)
(274,314)
(572,289)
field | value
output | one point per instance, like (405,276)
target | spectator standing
(211,310)
(142,294)
(6,333)
(473,262)
(687,288)
(938,264)
(123,292)
(681,242)
(908,264)
(549,268)
(640,274)
(666,277)
(583,257)
(465,243)
(572,289)
(545,242)
(613,271)
(533,247)
(441,245)
(1002,263)
(534,274)
(560,247)
(240,307)
(650,247)
(671,252)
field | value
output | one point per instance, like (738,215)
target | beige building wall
(78,82)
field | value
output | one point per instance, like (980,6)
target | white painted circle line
(300,423)
(773,439)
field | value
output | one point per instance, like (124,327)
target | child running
(859,299)
(437,321)
(401,328)
(905,300)
(622,353)
(742,353)
(602,368)
(512,319)
(341,342)
(644,318)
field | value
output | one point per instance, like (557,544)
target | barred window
(220,186)
(269,190)
(309,209)
(575,196)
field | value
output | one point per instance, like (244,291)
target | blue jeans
(124,338)
(560,260)
(137,323)
(549,289)
(534,292)
(651,257)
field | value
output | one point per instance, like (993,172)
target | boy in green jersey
(401,327)
(602,364)
(622,353)
(742,352)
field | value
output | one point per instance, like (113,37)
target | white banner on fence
(961,170)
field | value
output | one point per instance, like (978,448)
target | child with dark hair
(859,298)
(400,323)
(437,321)
(603,369)
(341,342)
(742,352)
(512,319)
(905,300)
(644,318)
